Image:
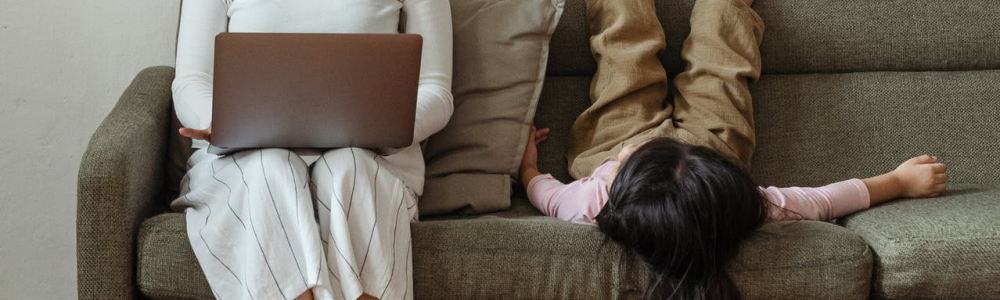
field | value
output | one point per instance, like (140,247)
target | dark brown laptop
(290,90)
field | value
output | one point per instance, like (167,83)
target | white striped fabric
(252,221)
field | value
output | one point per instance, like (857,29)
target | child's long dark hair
(683,210)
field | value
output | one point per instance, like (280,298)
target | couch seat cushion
(517,254)
(937,248)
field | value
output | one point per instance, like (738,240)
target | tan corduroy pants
(629,92)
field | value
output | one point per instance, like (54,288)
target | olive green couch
(850,89)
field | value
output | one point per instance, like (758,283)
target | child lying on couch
(669,183)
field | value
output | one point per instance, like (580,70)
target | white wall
(63,65)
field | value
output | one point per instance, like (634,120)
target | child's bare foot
(922,176)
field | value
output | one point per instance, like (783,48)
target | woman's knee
(275,165)
(347,153)
(345,162)
(272,157)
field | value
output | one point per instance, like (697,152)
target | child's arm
(820,203)
(920,176)
(542,191)
(570,202)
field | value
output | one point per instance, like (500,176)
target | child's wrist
(883,187)
(527,173)
(896,183)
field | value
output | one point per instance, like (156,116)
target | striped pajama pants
(264,224)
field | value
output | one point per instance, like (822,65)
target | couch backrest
(825,36)
(850,88)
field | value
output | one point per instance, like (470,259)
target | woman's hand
(918,177)
(197,134)
(529,162)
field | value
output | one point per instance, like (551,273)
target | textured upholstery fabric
(532,257)
(178,151)
(544,258)
(164,249)
(939,248)
(824,36)
(119,186)
(803,260)
(820,128)
(563,99)
(501,50)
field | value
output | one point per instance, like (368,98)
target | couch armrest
(119,185)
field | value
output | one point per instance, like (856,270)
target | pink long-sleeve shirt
(580,201)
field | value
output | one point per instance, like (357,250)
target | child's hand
(530,159)
(529,162)
(918,177)
(921,176)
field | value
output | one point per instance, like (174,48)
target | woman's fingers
(195,133)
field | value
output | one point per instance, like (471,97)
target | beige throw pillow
(501,50)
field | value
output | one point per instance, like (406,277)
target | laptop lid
(292,90)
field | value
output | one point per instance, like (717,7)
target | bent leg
(251,224)
(630,87)
(364,213)
(713,105)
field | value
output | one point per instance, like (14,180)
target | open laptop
(291,90)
